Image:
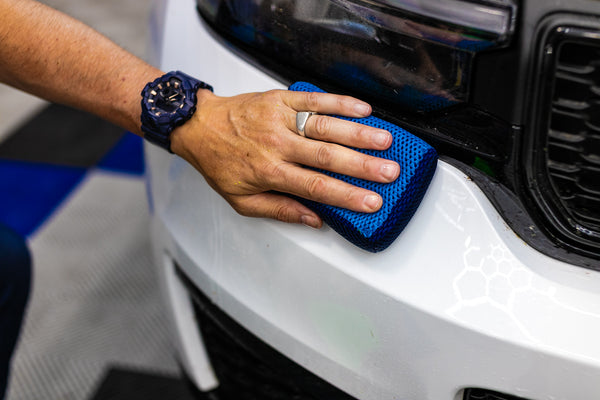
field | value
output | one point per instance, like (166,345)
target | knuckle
(315,186)
(272,141)
(275,93)
(277,169)
(240,208)
(323,156)
(349,195)
(283,214)
(323,127)
(265,111)
(362,133)
(268,99)
(366,165)
(312,100)
(273,172)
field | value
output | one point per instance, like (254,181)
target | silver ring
(301,118)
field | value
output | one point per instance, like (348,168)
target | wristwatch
(168,102)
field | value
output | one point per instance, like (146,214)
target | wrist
(182,136)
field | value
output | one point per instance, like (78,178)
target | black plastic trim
(484,394)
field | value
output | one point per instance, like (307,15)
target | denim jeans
(15,282)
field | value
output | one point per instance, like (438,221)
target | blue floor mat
(127,156)
(30,192)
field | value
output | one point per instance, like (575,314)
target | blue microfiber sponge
(375,232)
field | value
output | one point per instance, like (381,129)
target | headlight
(413,54)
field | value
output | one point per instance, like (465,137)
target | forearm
(58,58)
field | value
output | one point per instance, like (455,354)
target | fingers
(346,161)
(326,103)
(277,207)
(335,130)
(321,188)
(321,127)
(331,157)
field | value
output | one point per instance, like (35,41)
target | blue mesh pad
(375,232)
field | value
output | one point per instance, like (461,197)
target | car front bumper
(457,301)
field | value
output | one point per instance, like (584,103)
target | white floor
(95,301)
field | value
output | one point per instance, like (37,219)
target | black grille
(247,368)
(574,134)
(565,161)
(482,394)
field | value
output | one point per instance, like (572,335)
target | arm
(53,56)
(245,146)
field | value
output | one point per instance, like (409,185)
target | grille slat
(591,191)
(568,122)
(575,69)
(592,158)
(563,170)
(568,137)
(571,105)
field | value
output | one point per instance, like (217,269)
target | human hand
(248,150)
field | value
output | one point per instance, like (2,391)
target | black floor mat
(62,136)
(124,384)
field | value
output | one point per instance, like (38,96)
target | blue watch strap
(157,128)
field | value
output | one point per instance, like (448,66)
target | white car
(492,291)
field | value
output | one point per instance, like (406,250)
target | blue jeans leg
(15,282)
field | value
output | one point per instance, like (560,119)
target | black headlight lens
(417,62)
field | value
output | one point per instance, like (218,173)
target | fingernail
(310,221)
(362,109)
(389,171)
(381,139)
(372,201)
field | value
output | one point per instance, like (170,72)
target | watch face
(166,97)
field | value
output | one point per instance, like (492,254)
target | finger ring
(301,118)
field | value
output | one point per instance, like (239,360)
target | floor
(73,185)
